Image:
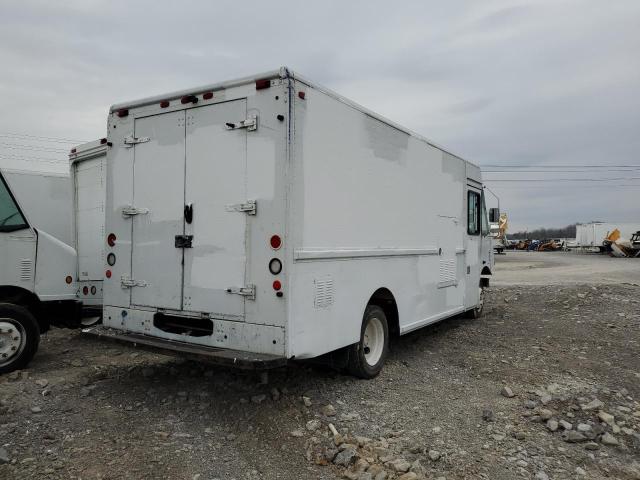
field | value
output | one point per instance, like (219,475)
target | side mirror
(494,215)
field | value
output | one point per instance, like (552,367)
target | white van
(268,219)
(88,180)
(37,263)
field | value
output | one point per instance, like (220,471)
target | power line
(556,166)
(20,146)
(38,137)
(559,179)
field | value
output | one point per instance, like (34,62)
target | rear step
(219,356)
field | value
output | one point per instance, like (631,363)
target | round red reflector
(276,242)
(107,274)
(207,96)
(164,104)
(111,239)
(85,290)
(69,279)
(277,285)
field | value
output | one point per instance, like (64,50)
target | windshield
(10,217)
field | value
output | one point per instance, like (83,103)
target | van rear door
(188,250)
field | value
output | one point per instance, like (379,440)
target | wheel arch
(384,299)
(25,298)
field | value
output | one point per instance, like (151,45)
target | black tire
(478,310)
(358,365)
(17,323)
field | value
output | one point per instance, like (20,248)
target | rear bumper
(219,356)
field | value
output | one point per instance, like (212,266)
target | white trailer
(88,180)
(37,264)
(593,234)
(268,219)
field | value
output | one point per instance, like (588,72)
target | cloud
(498,82)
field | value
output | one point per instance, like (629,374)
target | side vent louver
(324,292)
(26,270)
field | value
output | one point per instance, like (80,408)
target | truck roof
(283,73)
(86,151)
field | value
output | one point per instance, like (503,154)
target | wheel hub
(373,341)
(12,340)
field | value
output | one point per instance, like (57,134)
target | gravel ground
(489,398)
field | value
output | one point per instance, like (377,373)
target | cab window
(10,217)
(484,221)
(473,213)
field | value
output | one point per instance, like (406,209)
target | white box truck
(88,180)
(37,263)
(594,234)
(267,219)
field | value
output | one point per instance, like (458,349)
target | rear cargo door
(215,209)
(89,211)
(158,184)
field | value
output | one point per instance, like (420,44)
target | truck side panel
(372,207)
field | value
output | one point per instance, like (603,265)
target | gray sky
(500,82)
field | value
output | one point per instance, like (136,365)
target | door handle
(188,213)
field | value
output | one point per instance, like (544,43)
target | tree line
(546,233)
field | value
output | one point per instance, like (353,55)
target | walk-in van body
(37,262)
(267,219)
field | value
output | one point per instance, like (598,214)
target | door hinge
(249,208)
(130,211)
(130,141)
(250,124)
(248,291)
(127,282)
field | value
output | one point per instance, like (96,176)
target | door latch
(130,140)
(249,207)
(184,241)
(248,291)
(250,124)
(130,211)
(127,282)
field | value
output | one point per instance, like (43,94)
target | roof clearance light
(207,96)
(103,141)
(301,95)
(189,99)
(123,112)
(262,84)
(276,242)
(73,150)
(164,104)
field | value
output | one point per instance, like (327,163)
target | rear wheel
(19,337)
(367,357)
(477,311)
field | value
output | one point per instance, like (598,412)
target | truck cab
(37,284)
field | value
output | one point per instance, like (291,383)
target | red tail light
(277,285)
(276,242)
(85,290)
(111,239)
(107,274)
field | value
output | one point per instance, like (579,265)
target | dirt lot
(565,353)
